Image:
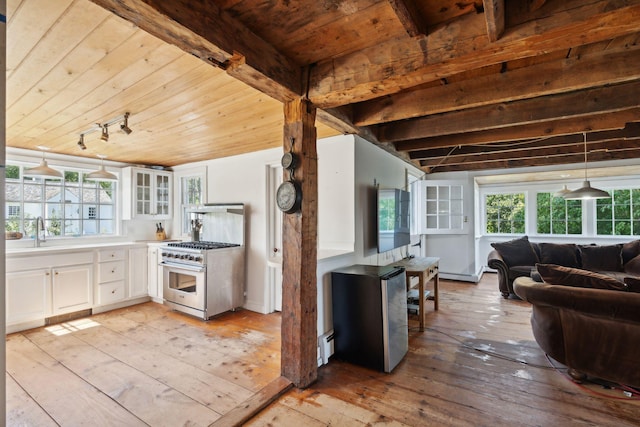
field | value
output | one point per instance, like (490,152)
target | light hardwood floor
(143,365)
(146,365)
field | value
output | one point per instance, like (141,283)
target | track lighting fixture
(105,133)
(81,142)
(103,128)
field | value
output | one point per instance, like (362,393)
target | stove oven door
(185,285)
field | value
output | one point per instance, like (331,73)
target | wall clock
(289,197)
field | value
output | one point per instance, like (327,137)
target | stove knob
(191,257)
(198,258)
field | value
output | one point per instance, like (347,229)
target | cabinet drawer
(110,271)
(110,255)
(111,292)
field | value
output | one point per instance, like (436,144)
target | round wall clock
(289,197)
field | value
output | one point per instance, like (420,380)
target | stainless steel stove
(206,278)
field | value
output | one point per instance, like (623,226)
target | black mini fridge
(370,315)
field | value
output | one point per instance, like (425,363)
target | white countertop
(44,249)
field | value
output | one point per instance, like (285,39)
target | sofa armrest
(620,306)
(495,261)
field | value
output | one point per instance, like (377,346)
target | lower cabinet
(27,294)
(154,272)
(138,272)
(71,288)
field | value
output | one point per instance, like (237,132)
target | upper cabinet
(146,193)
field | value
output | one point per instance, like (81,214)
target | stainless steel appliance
(370,315)
(206,278)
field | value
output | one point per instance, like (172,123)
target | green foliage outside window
(619,215)
(505,213)
(555,215)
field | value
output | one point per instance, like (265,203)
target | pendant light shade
(586,192)
(102,174)
(562,192)
(42,170)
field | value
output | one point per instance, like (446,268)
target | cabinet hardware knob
(47,274)
(56,273)
(113,271)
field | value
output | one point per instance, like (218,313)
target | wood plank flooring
(458,372)
(146,365)
(143,365)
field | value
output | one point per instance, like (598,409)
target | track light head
(81,142)
(105,133)
(124,127)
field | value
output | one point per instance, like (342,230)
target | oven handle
(184,266)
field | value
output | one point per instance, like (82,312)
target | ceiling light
(124,127)
(81,142)
(43,169)
(586,192)
(105,133)
(101,174)
(562,192)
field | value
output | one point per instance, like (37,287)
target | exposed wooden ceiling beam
(596,122)
(547,78)
(409,15)
(632,130)
(211,34)
(399,64)
(494,16)
(558,159)
(570,148)
(600,100)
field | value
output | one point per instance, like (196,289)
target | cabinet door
(27,295)
(137,272)
(143,193)
(162,194)
(72,288)
(152,271)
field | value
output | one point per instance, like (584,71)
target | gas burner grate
(203,245)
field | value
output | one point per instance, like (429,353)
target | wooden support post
(299,362)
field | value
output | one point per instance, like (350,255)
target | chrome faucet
(39,229)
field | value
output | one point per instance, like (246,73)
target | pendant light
(42,170)
(101,174)
(562,192)
(586,192)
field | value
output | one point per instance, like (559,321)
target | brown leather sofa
(591,331)
(518,258)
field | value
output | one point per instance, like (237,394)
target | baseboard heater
(325,347)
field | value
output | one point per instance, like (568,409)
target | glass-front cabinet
(146,193)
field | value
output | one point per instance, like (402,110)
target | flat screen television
(393,211)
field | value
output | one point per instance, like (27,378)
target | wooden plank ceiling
(446,84)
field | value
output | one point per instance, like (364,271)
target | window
(505,213)
(619,215)
(191,194)
(71,206)
(442,207)
(555,215)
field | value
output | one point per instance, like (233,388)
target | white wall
(374,166)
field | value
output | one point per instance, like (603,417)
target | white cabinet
(154,272)
(138,272)
(28,295)
(111,276)
(146,193)
(71,288)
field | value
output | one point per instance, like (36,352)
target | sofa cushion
(559,254)
(601,258)
(630,250)
(568,276)
(517,252)
(633,266)
(633,284)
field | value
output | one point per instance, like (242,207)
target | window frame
(60,188)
